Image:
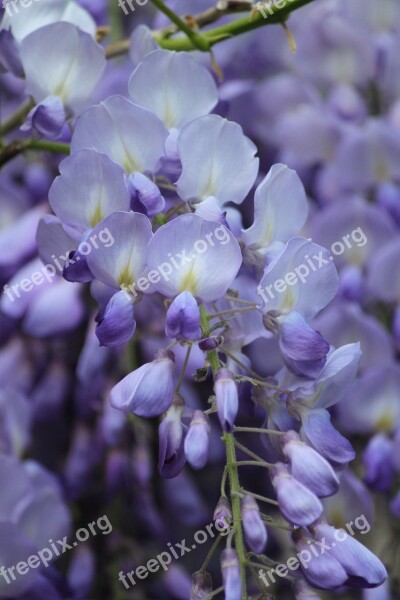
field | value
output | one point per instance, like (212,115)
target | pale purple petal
(280,208)
(173,86)
(121,261)
(217,160)
(130,135)
(90,187)
(61,60)
(194,255)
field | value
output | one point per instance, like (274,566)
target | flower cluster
(215,326)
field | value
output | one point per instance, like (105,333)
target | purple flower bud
(309,467)
(149,390)
(231,574)
(226,393)
(255,532)
(76,268)
(201,585)
(210,343)
(296,502)
(145,196)
(378,463)
(47,118)
(183,318)
(171,457)
(116,325)
(363,568)
(197,440)
(222,514)
(304,350)
(319,568)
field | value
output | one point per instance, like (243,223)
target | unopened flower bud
(210,343)
(297,503)
(231,574)
(255,532)
(197,440)
(227,400)
(222,514)
(308,466)
(201,585)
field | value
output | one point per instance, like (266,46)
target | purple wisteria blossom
(200,308)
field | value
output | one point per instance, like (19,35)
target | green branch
(16,118)
(238,27)
(198,40)
(17,147)
(275,14)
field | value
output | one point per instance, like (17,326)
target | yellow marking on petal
(125,277)
(288,301)
(97,216)
(189,282)
(266,238)
(384,423)
(130,165)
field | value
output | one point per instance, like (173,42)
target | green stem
(210,553)
(213,36)
(263,498)
(229,440)
(196,39)
(19,146)
(238,27)
(185,364)
(48,146)
(17,118)
(254,463)
(248,452)
(258,430)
